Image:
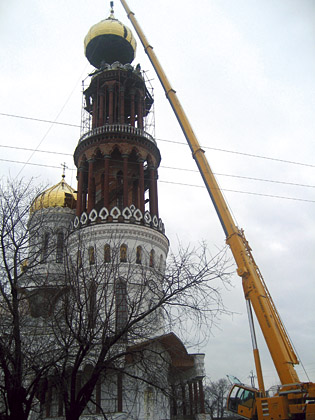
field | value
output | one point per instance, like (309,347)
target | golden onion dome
(109,41)
(60,195)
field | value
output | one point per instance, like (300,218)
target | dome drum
(116,96)
(124,77)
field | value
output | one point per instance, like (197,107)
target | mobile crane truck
(295,399)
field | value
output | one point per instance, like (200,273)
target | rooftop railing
(117,128)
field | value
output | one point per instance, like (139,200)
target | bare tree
(113,317)
(215,398)
(23,360)
(79,324)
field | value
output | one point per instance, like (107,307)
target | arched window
(152,258)
(107,253)
(92,305)
(79,259)
(121,304)
(161,262)
(139,255)
(123,253)
(59,250)
(45,242)
(91,255)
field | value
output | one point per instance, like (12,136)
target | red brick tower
(117,159)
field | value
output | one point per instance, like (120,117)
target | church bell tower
(117,159)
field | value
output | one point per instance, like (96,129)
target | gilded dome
(109,41)
(60,195)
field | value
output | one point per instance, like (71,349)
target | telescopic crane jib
(296,399)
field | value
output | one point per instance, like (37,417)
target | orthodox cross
(64,167)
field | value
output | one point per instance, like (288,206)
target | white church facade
(104,244)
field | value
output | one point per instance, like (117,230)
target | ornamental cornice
(129,215)
(118,230)
(117,133)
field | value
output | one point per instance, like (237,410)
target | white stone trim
(130,215)
(93,215)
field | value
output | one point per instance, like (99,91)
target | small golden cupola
(60,195)
(109,41)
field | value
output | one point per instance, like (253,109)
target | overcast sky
(244,72)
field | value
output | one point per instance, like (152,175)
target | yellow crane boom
(255,290)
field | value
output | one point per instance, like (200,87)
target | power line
(291,162)
(180,169)
(33,164)
(242,192)
(39,120)
(36,150)
(244,154)
(179,183)
(244,177)
(55,120)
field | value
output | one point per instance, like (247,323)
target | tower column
(140,111)
(174,401)
(48,399)
(119,392)
(201,396)
(98,394)
(84,192)
(106,181)
(94,116)
(91,192)
(122,105)
(156,193)
(80,191)
(153,191)
(111,103)
(191,405)
(132,107)
(125,180)
(141,185)
(101,110)
(184,402)
(196,396)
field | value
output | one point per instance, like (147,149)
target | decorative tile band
(115,215)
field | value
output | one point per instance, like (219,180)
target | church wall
(48,230)
(111,258)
